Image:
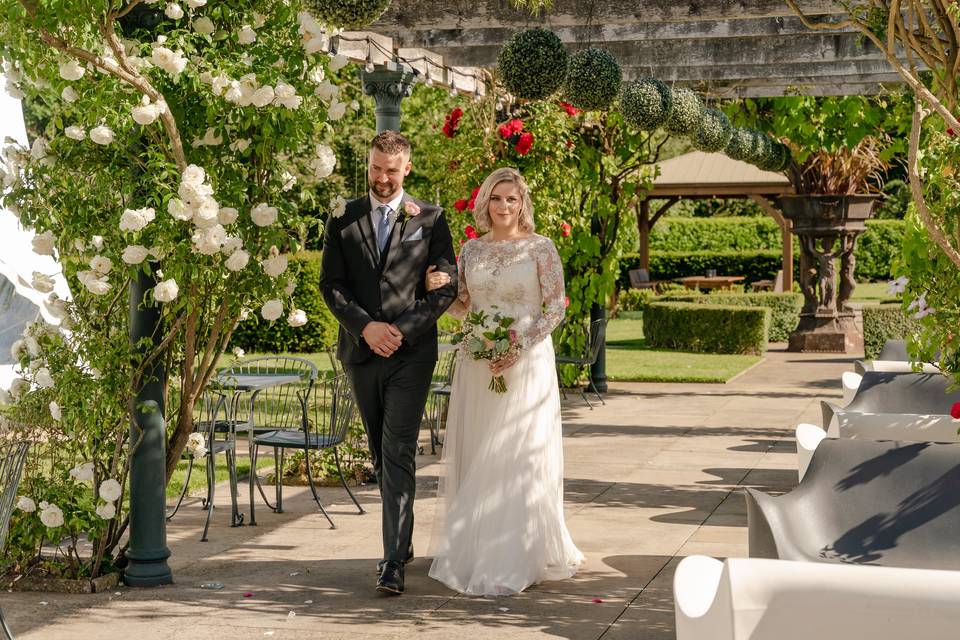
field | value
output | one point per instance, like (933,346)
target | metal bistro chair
(272,408)
(327,414)
(438,401)
(218,438)
(595,339)
(12,458)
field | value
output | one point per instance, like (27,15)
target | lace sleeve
(550,273)
(461,305)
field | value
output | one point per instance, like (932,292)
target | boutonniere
(411,208)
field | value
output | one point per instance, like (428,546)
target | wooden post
(786,236)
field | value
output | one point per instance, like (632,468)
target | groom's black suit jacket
(361,286)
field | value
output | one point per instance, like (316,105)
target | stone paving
(653,476)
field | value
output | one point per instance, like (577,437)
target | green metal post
(388,88)
(598,372)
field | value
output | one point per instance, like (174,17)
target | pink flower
(513,336)
(412,208)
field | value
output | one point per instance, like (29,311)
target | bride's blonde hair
(481,208)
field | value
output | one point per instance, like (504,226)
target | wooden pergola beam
(477,14)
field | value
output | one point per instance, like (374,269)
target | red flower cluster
(565,229)
(470,232)
(955,411)
(569,108)
(452,122)
(463,204)
(513,131)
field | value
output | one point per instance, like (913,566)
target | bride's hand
(436,279)
(497,367)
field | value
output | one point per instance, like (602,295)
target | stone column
(388,89)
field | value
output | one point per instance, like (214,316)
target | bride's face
(506,203)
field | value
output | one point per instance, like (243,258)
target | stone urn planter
(828,226)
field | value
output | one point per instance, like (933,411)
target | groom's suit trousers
(390,394)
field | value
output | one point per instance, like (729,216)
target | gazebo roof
(699,174)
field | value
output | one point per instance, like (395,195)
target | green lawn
(871,292)
(628,359)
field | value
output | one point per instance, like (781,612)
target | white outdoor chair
(760,599)
(851,382)
(892,366)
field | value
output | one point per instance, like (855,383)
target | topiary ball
(646,103)
(593,79)
(532,64)
(758,148)
(349,14)
(687,112)
(740,145)
(786,158)
(714,131)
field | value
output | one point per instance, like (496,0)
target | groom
(375,259)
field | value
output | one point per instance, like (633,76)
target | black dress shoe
(391,579)
(409,558)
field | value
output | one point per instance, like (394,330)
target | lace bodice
(521,278)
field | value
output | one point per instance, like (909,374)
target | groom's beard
(384,192)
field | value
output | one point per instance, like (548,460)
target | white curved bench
(759,599)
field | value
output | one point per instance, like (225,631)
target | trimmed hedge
(876,247)
(884,322)
(666,265)
(784,307)
(635,299)
(708,328)
(258,335)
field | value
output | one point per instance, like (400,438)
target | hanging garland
(348,14)
(714,131)
(532,64)
(593,79)
(687,112)
(646,103)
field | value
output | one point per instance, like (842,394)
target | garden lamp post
(388,88)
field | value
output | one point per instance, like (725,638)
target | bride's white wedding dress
(500,525)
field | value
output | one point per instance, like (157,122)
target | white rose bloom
(69,94)
(42,282)
(193,175)
(82,472)
(179,210)
(134,254)
(338,62)
(166,291)
(102,135)
(336,110)
(146,113)
(97,242)
(237,260)
(289,180)
(316,75)
(75,133)
(290,288)
(259,19)
(204,25)
(43,378)
(107,510)
(206,213)
(246,35)
(80,244)
(194,194)
(95,284)
(26,505)
(234,94)
(297,318)
(218,84)
(52,516)
(263,96)
(39,149)
(55,412)
(227,215)
(231,244)
(173,11)
(197,445)
(136,219)
(338,206)
(209,139)
(325,162)
(17,349)
(43,243)
(18,387)
(355,105)
(314,43)
(56,306)
(170,61)
(286,94)
(110,490)
(327,91)
(240,145)
(196,4)
(238,352)
(33,347)
(271,309)
(263,215)
(101,264)
(71,70)
(274,265)
(209,241)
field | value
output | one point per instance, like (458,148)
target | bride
(500,525)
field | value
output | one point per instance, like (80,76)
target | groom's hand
(382,338)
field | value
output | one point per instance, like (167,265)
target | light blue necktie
(383,229)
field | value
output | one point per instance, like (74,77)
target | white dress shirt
(375,214)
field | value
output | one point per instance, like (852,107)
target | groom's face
(385,173)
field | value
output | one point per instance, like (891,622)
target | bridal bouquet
(487,337)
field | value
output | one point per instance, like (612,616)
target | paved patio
(653,476)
